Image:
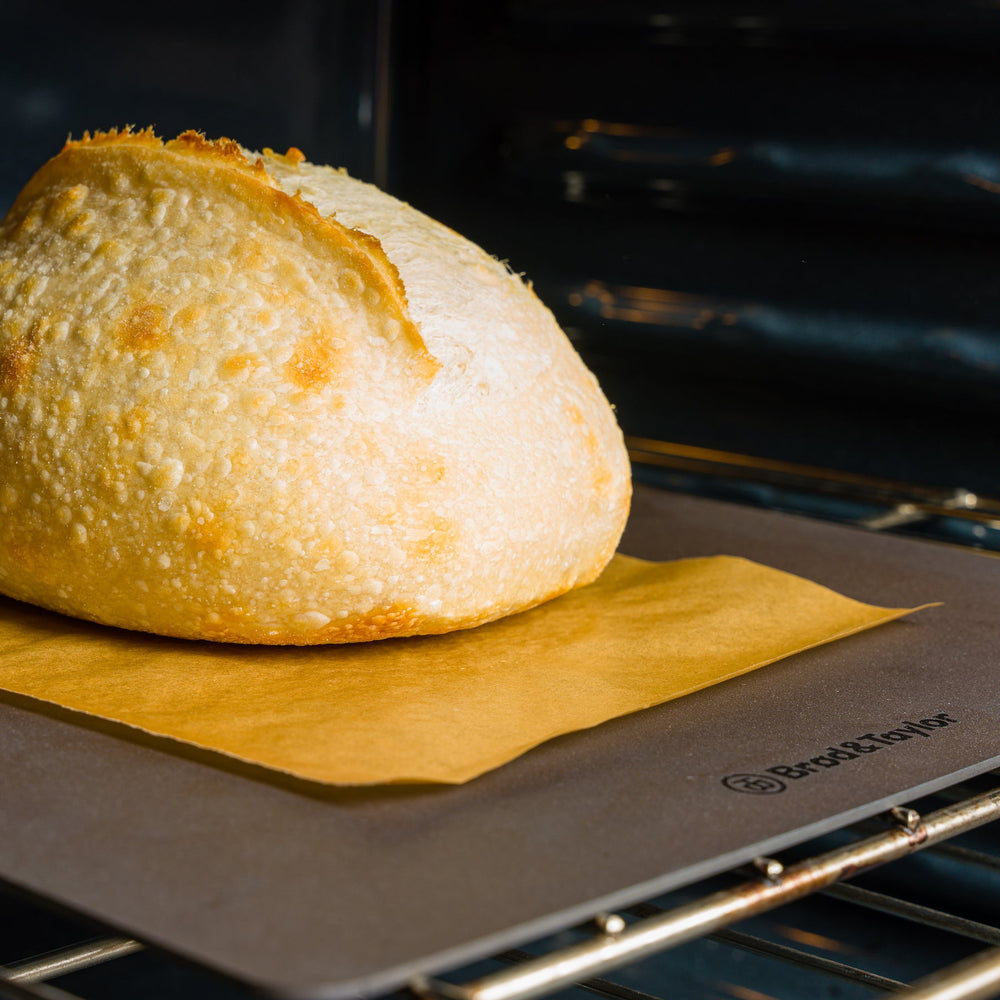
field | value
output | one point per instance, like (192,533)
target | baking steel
(310,892)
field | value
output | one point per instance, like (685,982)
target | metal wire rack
(906,904)
(950,513)
(650,929)
(628,955)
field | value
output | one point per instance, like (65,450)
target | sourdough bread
(251,399)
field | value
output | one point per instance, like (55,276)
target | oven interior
(771,231)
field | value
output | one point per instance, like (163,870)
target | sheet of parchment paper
(437,708)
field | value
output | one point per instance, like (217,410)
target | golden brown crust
(116,136)
(250,399)
(379,623)
(225,159)
(221,151)
(292,157)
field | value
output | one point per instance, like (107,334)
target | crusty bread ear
(247,398)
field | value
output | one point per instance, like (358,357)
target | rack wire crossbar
(618,944)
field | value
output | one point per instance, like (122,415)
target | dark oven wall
(281,73)
(770,228)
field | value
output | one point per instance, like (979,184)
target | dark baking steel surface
(312,892)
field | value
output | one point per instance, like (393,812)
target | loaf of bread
(250,399)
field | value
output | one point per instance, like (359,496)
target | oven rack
(576,962)
(952,513)
(581,958)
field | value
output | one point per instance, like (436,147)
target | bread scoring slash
(250,399)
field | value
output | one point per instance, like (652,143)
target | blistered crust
(222,163)
(232,409)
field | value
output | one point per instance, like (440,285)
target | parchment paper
(437,708)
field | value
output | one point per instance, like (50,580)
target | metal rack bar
(611,949)
(69,960)
(967,856)
(601,987)
(977,978)
(925,915)
(909,501)
(786,953)
(40,991)
(803,959)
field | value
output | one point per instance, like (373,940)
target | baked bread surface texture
(247,398)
